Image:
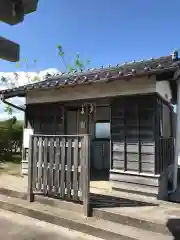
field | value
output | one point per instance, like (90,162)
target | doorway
(100,150)
(97,124)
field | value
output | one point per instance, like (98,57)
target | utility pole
(13,12)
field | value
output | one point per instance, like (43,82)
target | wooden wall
(142,143)
(47,118)
(133,138)
(164,129)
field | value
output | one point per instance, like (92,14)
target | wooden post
(177,142)
(177,132)
(86,175)
(30,171)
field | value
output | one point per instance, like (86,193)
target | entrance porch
(75,119)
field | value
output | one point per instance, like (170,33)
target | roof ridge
(120,71)
(103,68)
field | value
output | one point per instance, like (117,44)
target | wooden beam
(12,12)
(5,10)
(9,50)
(30,6)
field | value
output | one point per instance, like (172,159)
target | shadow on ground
(173,226)
(104,201)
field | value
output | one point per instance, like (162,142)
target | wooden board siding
(45,118)
(142,145)
(143,185)
(164,136)
(132,130)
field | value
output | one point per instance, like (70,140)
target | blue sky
(107,32)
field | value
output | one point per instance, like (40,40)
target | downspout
(12,105)
(177,136)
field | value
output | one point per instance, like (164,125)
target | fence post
(30,196)
(86,176)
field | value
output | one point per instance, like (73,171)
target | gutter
(12,105)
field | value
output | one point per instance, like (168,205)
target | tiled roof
(124,71)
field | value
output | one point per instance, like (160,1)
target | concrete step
(96,227)
(132,210)
(129,209)
(159,219)
(139,211)
(124,217)
(68,206)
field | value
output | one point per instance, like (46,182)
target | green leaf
(71,69)
(8,109)
(59,47)
(78,63)
(35,79)
(61,54)
(18,65)
(60,50)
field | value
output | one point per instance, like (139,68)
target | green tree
(11,132)
(78,63)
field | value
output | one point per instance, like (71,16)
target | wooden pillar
(177,141)
(23,149)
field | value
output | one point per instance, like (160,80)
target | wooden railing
(59,167)
(165,154)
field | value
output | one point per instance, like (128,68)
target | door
(97,124)
(101,146)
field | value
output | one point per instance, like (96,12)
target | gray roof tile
(126,70)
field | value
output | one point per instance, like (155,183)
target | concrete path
(18,227)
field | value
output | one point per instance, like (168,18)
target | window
(102,130)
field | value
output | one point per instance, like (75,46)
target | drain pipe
(177,136)
(12,105)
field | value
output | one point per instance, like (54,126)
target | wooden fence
(59,167)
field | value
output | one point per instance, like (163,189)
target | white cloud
(19,79)
(23,78)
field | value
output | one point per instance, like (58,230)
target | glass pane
(102,130)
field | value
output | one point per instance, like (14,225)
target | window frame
(101,138)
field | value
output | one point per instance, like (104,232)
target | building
(127,110)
